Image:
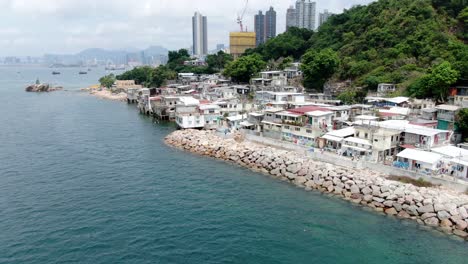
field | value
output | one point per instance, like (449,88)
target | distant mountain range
(103,55)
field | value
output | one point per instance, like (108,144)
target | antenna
(241,17)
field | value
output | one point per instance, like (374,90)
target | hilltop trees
(436,83)
(242,69)
(318,67)
(293,43)
(218,61)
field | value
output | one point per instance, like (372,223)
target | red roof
(156,98)
(205,101)
(305,109)
(407,146)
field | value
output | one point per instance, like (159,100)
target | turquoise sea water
(83,180)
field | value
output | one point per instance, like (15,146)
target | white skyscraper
(323,17)
(200,34)
(305,14)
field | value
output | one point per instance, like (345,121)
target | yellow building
(241,41)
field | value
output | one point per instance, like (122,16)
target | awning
(332,138)
(357,148)
(246,124)
(408,146)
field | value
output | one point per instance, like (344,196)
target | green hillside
(397,41)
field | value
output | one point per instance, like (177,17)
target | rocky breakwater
(434,207)
(42,88)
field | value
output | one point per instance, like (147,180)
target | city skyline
(33,28)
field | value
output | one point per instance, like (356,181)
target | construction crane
(241,17)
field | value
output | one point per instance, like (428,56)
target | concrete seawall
(435,207)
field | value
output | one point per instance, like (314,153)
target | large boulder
(426,209)
(432,221)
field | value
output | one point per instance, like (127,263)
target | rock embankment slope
(434,207)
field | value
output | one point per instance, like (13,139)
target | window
(392,138)
(308,131)
(366,135)
(278,116)
(297,129)
(286,127)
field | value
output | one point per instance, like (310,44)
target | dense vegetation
(418,44)
(462,123)
(396,41)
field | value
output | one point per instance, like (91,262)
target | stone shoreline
(434,207)
(106,94)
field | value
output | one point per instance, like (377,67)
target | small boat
(55,73)
(83,72)
(89,69)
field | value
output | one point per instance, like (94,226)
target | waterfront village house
(383,102)
(457,165)
(233,107)
(305,129)
(384,142)
(234,122)
(212,115)
(242,90)
(446,116)
(394,113)
(293,71)
(413,136)
(353,146)
(429,114)
(143,98)
(340,114)
(334,139)
(320,98)
(165,107)
(187,78)
(188,114)
(419,161)
(384,88)
(275,78)
(360,109)
(132,95)
(254,123)
(278,99)
(417,105)
(459,94)
(272,123)
(225,92)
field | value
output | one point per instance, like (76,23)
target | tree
(219,60)
(141,75)
(107,81)
(352,96)
(242,69)
(462,123)
(436,83)
(176,59)
(318,67)
(293,43)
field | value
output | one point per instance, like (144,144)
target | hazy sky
(35,27)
